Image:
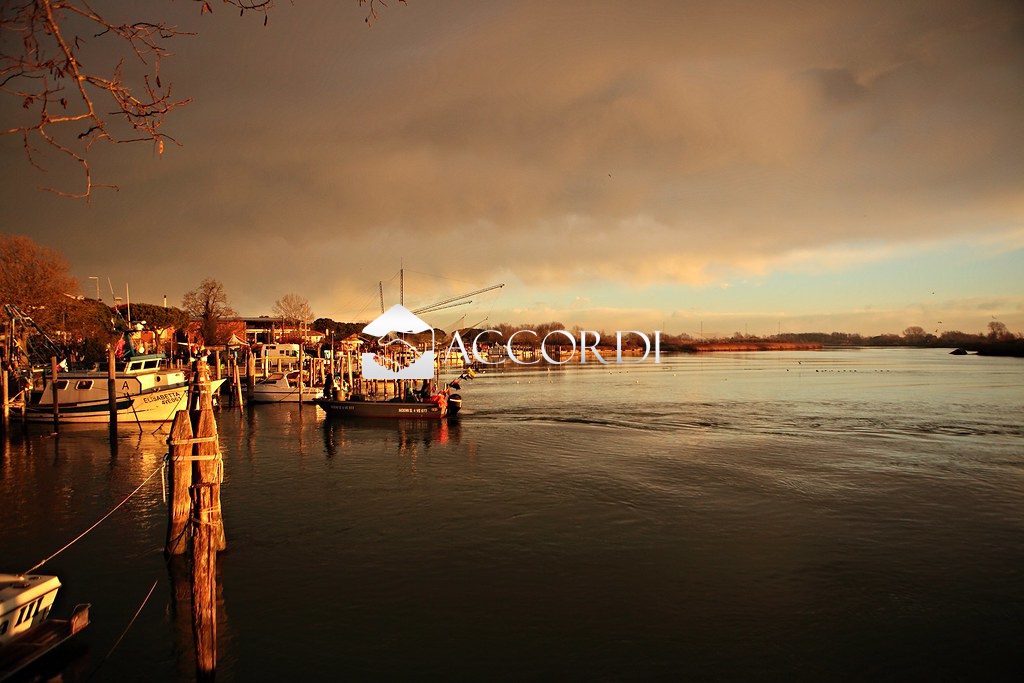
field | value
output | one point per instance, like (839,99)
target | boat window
(3,626)
(61,384)
(21,615)
(84,384)
(150,364)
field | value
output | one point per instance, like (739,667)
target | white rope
(197,439)
(132,622)
(101,520)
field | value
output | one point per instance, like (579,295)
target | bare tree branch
(42,47)
(373,15)
(61,97)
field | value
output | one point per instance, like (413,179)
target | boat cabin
(276,358)
(25,602)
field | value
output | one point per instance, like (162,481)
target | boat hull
(309,395)
(283,387)
(153,406)
(384,409)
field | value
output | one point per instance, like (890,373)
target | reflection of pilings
(181,613)
(204,586)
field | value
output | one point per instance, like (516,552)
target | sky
(693,167)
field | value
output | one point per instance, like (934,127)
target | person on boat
(330,391)
(424,392)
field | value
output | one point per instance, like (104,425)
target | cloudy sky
(684,166)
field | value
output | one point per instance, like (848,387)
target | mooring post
(4,389)
(250,375)
(112,387)
(208,467)
(53,392)
(180,506)
(237,382)
(204,578)
(301,364)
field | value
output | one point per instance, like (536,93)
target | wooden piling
(4,391)
(237,383)
(301,365)
(250,375)
(53,392)
(204,576)
(112,387)
(208,467)
(180,505)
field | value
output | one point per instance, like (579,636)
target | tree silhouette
(209,304)
(293,308)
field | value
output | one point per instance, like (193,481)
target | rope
(193,458)
(130,623)
(198,439)
(101,520)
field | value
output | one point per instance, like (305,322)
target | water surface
(849,514)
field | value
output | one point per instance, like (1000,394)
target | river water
(830,515)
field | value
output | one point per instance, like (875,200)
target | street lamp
(97,279)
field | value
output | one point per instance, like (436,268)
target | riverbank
(708,347)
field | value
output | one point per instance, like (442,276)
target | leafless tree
(998,331)
(50,61)
(293,308)
(209,303)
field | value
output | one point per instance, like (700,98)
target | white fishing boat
(283,387)
(147,390)
(24,602)
(26,633)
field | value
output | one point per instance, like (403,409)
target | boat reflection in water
(410,434)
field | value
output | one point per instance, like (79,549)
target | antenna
(380,283)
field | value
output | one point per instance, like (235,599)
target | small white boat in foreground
(26,634)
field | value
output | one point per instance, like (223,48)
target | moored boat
(442,404)
(435,408)
(26,632)
(283,387)
(147,391)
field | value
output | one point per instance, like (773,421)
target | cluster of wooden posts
(194,513)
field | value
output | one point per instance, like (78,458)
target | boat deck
(29,647)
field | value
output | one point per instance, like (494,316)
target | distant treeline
(998,341)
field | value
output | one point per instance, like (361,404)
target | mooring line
(101,520)
(126,628)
